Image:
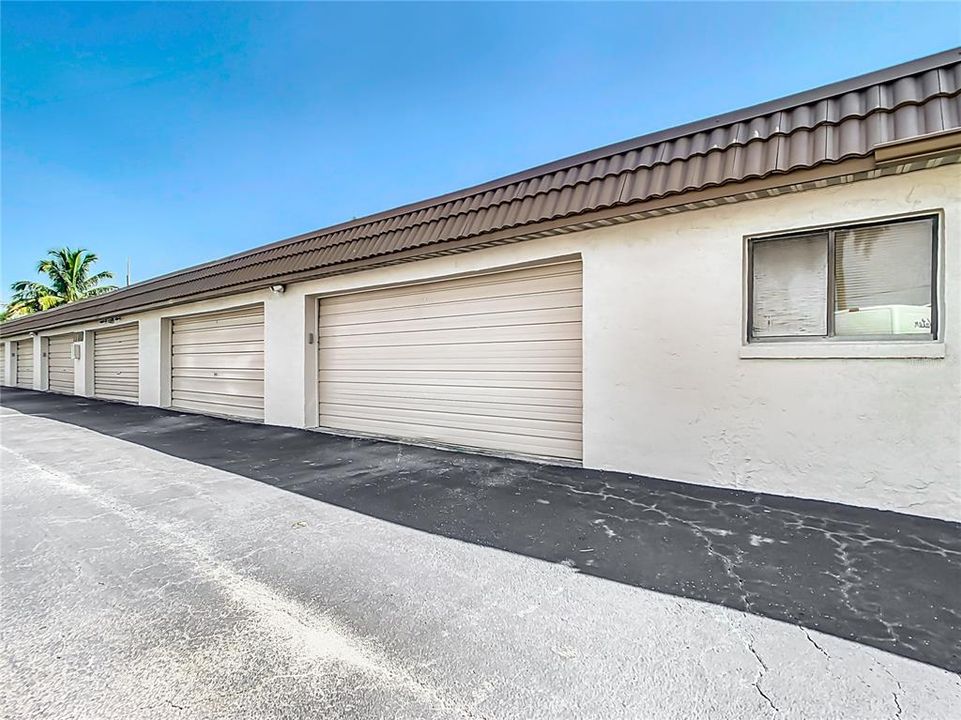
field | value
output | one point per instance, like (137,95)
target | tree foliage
(70,277)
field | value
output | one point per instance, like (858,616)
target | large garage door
(489,361)
(3,363)
(25,363)
(60,363)
(116,363)
(217,363)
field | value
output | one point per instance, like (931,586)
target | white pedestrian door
(488,361)
(217,363)
(60,363)
(116,363)
(25,363)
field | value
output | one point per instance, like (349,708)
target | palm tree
(29,297)
(70,280)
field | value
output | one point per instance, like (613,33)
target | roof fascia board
(932,144)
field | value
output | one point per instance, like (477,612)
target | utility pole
(128,271)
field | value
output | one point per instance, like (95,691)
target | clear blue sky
(178,133)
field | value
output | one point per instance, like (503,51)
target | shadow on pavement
(883,579)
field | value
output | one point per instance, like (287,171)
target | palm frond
(99,277)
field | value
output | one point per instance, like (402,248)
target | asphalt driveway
(156,564)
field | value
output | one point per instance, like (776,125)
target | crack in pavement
(895,694)
(745,564)
(813,641)
(760,676)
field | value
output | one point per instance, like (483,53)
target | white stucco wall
(151,360)
(8,372)
(668,394)
(669,388)
(40,362)
(286,379)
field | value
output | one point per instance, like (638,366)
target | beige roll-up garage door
(489,361)
(3,363)
(116,363)
(25,363)
(60,363)
(217,363)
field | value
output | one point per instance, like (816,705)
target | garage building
(764,300)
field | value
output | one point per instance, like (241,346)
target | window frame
(934,336)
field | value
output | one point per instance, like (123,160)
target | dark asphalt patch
(883,579)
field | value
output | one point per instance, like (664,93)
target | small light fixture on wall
(277,289)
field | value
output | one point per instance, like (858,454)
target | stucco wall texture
(667,393)
(670,391)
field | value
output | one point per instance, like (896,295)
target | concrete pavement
(138,583)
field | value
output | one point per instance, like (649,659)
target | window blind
(790,287)
(883,265)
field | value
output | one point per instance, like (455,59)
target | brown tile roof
(827,125)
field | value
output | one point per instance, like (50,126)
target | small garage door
(60,363)
(217,363)
(25,363)
(116,363)
(490,361)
